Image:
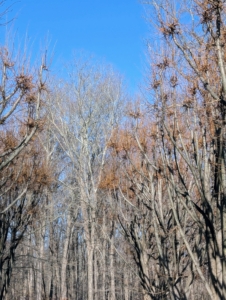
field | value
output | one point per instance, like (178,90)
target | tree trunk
(112,269)
(104,259)
(65,260)
(40,243)
(96,294)
(90,270)
(126,283)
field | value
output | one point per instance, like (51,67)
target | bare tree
(20,103)
(85,114)
(174,163)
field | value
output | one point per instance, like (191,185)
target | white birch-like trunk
(65,261)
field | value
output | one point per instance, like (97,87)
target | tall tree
(86,112)
(20,103)
(184,173)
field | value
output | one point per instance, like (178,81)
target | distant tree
(85,113)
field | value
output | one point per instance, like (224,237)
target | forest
(107,197)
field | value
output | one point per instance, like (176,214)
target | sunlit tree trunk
(64,262)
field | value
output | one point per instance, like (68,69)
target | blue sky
(111,30)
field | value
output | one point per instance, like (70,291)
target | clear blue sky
(113,30)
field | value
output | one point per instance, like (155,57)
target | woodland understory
(106,196)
